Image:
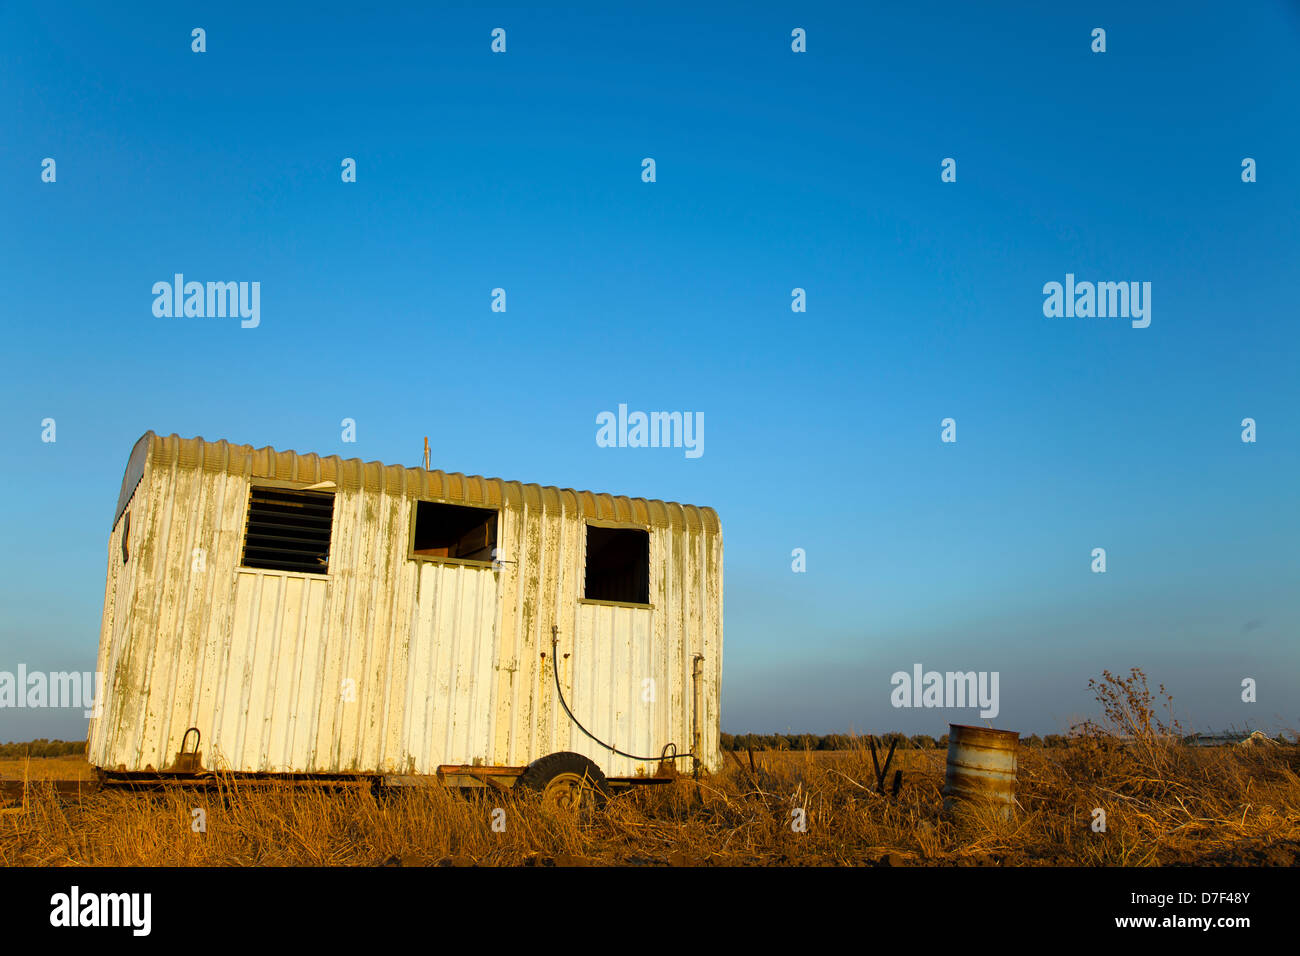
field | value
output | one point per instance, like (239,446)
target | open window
(289,530)
(456,532)
(618,565)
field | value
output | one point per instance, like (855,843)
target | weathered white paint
(447,663)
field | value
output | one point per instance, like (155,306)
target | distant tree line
(850,742)
(40,747)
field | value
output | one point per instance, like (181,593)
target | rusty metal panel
(981,766)
(448,710)
(616,695)
(388,663)
(271,669)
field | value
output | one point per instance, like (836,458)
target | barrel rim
(984,730)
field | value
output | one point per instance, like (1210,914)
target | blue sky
(775,170)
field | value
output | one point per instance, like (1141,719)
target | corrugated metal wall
(389,664)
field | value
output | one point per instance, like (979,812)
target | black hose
(577,723)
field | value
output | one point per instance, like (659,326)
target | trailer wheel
(567,781)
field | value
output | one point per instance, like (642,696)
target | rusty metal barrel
(981,767)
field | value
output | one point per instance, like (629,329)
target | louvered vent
(289,531)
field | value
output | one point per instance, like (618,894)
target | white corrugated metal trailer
(312,615)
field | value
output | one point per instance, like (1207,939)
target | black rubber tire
(542,771)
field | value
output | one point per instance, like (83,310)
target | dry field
(46,768)
(1165,804)
(1228,806)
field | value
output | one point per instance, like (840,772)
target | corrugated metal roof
(353,474)
(134,472)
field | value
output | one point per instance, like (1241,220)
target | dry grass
(1227,805)
(1164,804)
(73,767)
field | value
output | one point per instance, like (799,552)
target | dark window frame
(614,528)
(488,562)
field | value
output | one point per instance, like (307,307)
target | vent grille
(289,531)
